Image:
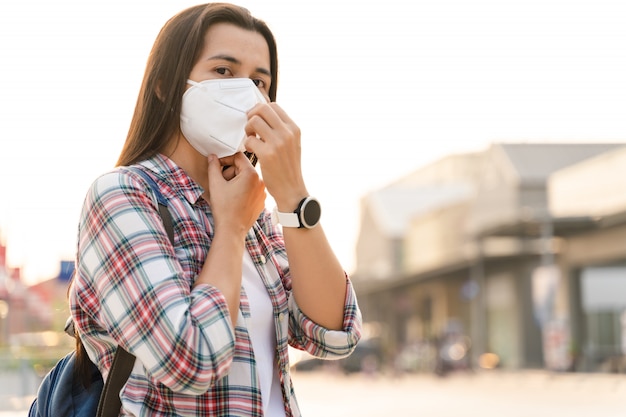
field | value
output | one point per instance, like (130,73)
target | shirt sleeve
(320,341)
(132,286)
(304,333)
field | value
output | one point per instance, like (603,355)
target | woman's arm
(131,288)
(318,279)
(236,201)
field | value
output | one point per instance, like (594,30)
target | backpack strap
(110,403)
(123,362)
(166,216)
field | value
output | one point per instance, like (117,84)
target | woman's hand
(236,193)
(275,139)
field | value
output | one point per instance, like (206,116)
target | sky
(378,89)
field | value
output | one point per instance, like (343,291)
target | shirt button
(262,259)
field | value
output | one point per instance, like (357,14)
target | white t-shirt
(262,333)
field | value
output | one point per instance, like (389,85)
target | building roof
(432,186)
(394,207)
(450,179)
(535,162)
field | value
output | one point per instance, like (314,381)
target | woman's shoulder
(115,183)
(122,177)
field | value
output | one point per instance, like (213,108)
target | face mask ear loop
(192,82)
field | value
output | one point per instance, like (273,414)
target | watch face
(311,213)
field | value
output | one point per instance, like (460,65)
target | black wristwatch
(306,215)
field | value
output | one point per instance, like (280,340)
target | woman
(210,317)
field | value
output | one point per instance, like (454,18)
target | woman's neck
(191,161)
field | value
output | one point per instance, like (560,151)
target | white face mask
(213,115)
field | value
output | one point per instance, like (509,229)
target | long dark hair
(157,112)
(176,49)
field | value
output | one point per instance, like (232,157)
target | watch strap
(285,219)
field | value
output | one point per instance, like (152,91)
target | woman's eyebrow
(225,57)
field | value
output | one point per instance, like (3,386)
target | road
(484,394)
(522,394)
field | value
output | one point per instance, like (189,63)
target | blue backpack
(62,392)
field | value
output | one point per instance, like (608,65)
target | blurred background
(470,158)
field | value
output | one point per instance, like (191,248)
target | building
(484,243)
(590,197)
(21,310)
(28,312)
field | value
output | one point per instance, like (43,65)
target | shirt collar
(167,171)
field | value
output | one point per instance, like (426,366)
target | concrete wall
(374,250)
(437,239)
(590,188)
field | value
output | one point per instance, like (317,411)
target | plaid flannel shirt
(133,288)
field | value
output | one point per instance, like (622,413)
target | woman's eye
(259,83)
(222,71)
